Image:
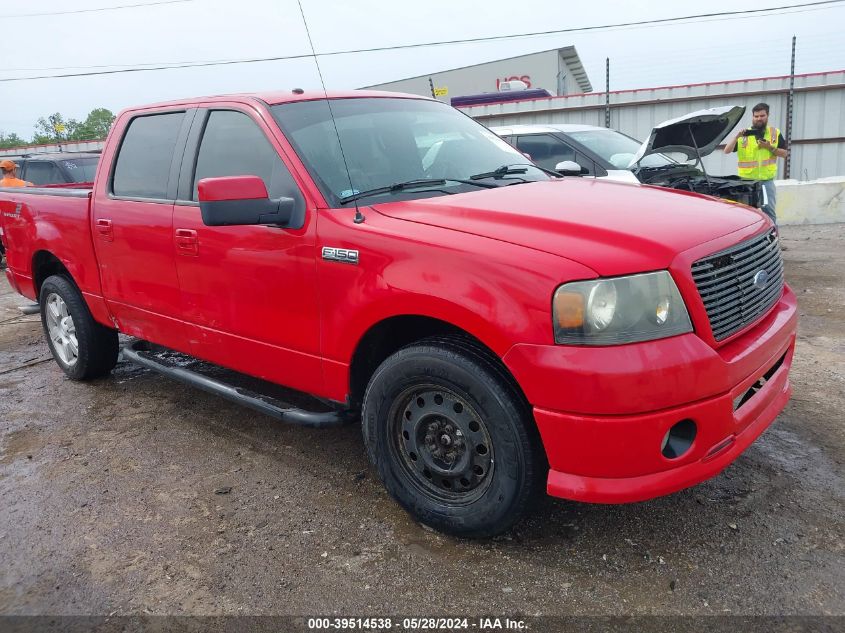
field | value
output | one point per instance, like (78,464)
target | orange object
(14,182)
(569,309)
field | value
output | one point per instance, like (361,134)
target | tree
(95,126)
(10,140)
(53,129)
(56,129)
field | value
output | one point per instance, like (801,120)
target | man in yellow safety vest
(758,149)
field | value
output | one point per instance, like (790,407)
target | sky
(204,30)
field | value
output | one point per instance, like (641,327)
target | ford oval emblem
(760,279)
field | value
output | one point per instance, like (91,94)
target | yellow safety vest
(755,162)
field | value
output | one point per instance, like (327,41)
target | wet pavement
(134,494)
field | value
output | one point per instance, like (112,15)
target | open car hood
(704,129)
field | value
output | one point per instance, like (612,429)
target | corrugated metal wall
(817,146)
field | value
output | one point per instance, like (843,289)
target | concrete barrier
(819,201)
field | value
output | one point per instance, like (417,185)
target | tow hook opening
(757,386)
(678,439)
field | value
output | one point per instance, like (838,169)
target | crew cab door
(132,217)
(248,292)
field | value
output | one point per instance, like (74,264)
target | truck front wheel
(450,438)
(83,348)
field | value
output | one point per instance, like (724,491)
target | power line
(131,65)
(581,29)
(722,15)
(720,57)
(97,10)
(687,52)
(148,68)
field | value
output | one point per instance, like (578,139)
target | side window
(43,173)
(143,163)
(589,164)
(233,145)
(545,150)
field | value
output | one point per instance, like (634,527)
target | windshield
(81,169)
(387,141)
(617,149)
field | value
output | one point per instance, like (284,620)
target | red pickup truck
(496,327)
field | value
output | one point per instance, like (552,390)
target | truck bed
(33,218)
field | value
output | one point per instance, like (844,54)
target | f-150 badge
(342,255)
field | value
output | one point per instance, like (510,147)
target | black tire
(97,345)
(428,412)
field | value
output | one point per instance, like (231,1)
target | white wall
(542,70)
(816,202)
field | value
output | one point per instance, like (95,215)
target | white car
(604,153)
(588,146)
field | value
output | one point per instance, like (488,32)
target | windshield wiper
(499,172)
(411,184)
(550,172)
(509,170)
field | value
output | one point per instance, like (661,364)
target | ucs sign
(525,78)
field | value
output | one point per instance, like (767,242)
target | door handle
(104,228)
(187,242)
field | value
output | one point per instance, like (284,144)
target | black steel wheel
(452,438)
(443,443)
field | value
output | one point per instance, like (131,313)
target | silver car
(600,152)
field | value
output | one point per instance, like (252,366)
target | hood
(613,228)
(704,129)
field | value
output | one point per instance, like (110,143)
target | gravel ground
(137,495)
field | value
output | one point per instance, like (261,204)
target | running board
(139,353)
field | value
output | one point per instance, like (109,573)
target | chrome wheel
(442,443)
(61,329)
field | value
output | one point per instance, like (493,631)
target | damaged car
(588,150)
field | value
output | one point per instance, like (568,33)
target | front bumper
(605,445)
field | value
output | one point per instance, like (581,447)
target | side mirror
(569,168)
(241,200)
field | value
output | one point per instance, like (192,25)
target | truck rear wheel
(450,438)
(83,348)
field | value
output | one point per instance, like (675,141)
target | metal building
(558,70)
(70,146)
(817,147)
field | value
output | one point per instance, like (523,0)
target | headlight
(619,310)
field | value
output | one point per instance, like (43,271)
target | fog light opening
(678,439)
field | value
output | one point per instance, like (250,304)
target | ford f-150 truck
(496,327)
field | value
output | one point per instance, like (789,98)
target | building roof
(568,53)
(570,56)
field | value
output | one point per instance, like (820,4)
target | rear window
(42,172)
(143,164)
(81,169)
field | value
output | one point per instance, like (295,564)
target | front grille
(726,283)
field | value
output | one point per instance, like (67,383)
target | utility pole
(787,168)
(607,93)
